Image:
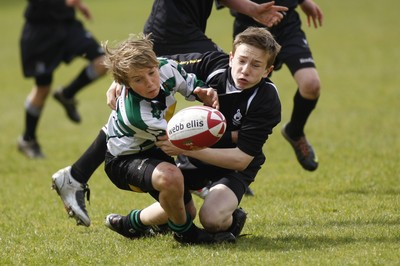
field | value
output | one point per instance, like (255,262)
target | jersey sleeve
(202,65)
(176,78)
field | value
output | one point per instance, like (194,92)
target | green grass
(345,213)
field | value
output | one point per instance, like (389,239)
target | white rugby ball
(196,127)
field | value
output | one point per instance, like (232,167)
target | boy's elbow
(241,167)
(243,162)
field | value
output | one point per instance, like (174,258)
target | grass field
(345,213)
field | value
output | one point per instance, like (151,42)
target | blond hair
(260,38)
(136,52)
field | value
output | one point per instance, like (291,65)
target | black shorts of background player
(50,36)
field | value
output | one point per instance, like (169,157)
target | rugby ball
(196,127)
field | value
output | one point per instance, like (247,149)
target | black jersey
(48,11)
(254,112)
(175,21)
(287,3)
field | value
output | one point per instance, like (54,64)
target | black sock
(81,81)
(302,109)
(90,160)
(32,115)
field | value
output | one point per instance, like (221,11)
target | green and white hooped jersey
(137,122)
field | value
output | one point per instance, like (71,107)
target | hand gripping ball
(196,127)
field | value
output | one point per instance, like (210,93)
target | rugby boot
(72,193)
(304,151)
(69,106)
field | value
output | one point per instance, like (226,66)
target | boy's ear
(267,71)
(230,58)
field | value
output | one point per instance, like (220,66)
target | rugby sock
(181,228)
(32,115)
(86,76)
(134,221)
(90,160)
(302,109)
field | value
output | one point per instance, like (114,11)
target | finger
(280,8)
(162,138)
(320,18)
(268,5)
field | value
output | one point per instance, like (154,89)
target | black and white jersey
(254,112)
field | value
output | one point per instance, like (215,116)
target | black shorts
(295,51)
(199,177)
(134,172)
(45,46)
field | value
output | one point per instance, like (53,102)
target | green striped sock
(181,228)
(134,218)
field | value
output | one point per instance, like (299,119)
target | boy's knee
(170,178)
(211,221)
(311,88)
(98,66)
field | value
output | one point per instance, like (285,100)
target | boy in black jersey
(52,35)
(251,106)
(296,54)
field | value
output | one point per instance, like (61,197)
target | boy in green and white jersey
(133,162)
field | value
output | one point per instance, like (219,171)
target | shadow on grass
(348,232)
(298,242)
